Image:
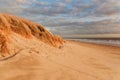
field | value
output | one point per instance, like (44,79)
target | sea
(105,41)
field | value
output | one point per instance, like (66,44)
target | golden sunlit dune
(14,26)
(30,52)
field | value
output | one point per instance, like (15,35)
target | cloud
(47,9)
(77,8)
(68,1)
(108,8)
(15,7)
(100,27)
(68,16)
(26,1)
(75,26)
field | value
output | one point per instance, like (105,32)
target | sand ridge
(10,25)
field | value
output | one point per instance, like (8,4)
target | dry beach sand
(43,56)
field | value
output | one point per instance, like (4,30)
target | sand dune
(12,27)
(25,55)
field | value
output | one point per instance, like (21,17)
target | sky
(69,17)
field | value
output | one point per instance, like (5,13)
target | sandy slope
(15,30)
(74,61)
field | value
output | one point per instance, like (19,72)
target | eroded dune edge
(12,28)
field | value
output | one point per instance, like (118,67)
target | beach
(73,61)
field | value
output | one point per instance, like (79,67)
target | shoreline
(100,44)
(94,45)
